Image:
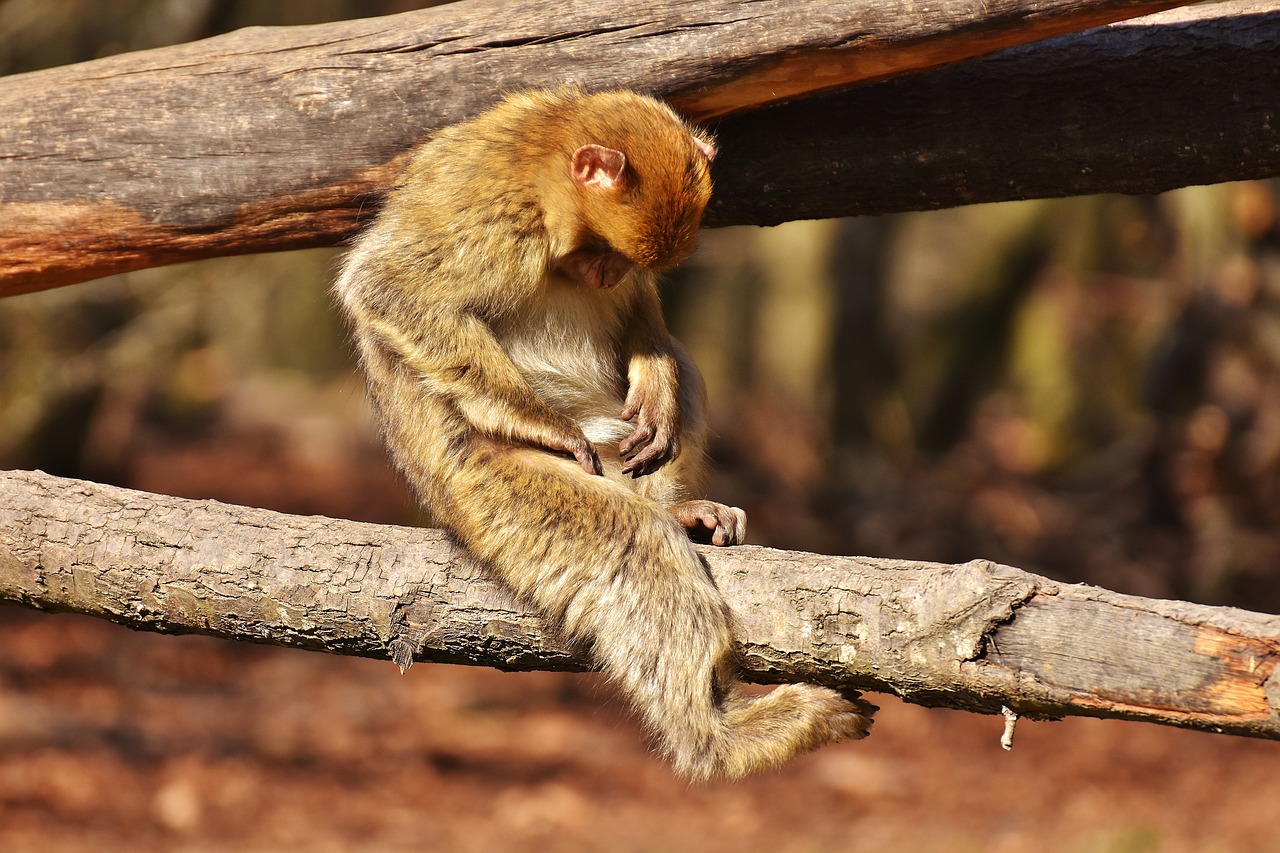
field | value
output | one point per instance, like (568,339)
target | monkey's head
(642,180)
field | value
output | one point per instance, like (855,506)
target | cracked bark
(976,636)
(269,139)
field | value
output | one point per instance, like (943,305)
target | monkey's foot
(708,521)
(824,715)
(767,730)
(856,718)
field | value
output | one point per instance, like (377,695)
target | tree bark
(976,636)
(1181,98)
(276,139)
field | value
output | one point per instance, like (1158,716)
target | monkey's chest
(572,360)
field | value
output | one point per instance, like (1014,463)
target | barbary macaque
(506,314)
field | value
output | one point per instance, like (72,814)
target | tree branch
(275,139)
(1181,98)
(976,636)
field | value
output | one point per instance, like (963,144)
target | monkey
(504,306)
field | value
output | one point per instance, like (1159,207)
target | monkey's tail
(616,570)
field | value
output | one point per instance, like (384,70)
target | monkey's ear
(708,150)
(597,166)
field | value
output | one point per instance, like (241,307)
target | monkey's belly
(576,385)
(594,411)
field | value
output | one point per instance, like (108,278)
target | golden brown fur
(506,314)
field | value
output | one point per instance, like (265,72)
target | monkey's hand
(572,442)
(708,521)
(655,441)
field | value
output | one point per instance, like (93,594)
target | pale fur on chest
(568,345)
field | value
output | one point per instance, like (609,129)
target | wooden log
(269,139)
(977,636)
(1186,97)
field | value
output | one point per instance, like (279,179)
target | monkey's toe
(854,723)
(844,715)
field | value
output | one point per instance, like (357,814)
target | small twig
(1010,720)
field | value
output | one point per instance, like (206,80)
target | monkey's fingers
(860,706)
(641,435)
(581,449)
(713,522)
(588,458)
(646,450)
(855,723)
(853,717)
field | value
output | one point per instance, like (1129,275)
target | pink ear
(597,166)
(708,150)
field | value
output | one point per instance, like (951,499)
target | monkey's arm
(653,395)
(457,357)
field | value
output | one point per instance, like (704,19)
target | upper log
(275,139)
(975,636)
(1186,97)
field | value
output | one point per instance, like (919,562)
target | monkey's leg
(615,569)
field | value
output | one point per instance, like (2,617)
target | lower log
(976,636)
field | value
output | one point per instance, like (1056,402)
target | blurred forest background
(1085,388)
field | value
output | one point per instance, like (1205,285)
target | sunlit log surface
(268,139)
(975,636)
